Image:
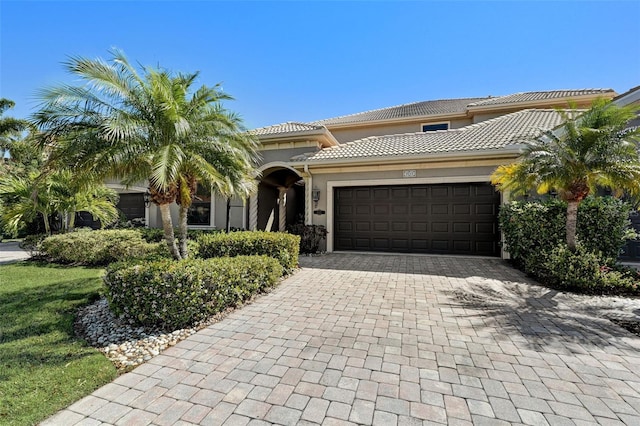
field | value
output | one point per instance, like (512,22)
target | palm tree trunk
(572,220)
(182,232)
(72,221)
(167,226)
(228,220)
(47,226)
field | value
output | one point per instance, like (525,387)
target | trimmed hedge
(533,229)
(97,247)
(587,271)
(534,235)
(283,247)
(177,294)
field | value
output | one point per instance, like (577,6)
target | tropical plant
(592,149)
(148,126)
(28,198)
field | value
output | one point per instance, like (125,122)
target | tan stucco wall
(355,133)
(269,156)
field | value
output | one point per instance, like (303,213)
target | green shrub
(283,247)
(585,271)
(32,243)
(532,229)
(310,236)
(96,247)
(176,294)
(604,225)
(156,235)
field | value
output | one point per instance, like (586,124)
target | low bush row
(97,247)
(534,236)
(176,294)
(283,247)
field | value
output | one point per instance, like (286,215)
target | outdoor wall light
(147,198)
(315,194)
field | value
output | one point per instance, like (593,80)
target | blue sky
(302,61)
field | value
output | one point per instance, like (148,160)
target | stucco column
(253,212)
(308,201)
(282,209)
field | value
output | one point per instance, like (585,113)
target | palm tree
(10,128)
(149,126)
(591,150)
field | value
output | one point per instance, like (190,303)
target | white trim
(280,164)
(448,123)
(378,182)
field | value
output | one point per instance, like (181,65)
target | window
(200,211)
(435,126)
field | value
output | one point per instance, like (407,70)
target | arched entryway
(280,200)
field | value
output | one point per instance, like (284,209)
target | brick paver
(373,339)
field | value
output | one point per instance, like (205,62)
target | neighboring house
(413,178)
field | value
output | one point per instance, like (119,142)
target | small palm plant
(591,150)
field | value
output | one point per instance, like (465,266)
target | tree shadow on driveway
(495,297)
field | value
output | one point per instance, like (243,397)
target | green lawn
(43,367)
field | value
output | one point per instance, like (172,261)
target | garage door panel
(419,226)
(464,228)
(440,227)
(381,209)
(381,226)
(363,226)
(485,228)
(419,245)
(485,208)
(459,209)
(381,194)
(344,226)
(381,243)
(461,191)
(439,208)
(462,246)
(363,210)
(440,245)
(439,218)
(400,244)
(399,226)
(400,209)
(439,192)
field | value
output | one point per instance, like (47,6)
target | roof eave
(539,103)
(429,117)
(509,151)
(323,136)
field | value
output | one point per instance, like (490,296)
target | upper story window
(435,126)
(200,210)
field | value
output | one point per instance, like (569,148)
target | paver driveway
(388,340)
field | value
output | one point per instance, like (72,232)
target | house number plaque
(409,173)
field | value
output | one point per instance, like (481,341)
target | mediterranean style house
(411,178)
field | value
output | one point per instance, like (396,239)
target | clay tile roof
(495,134)
(416,109)
(284,128)
(539,96)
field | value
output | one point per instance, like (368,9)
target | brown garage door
(444,219)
